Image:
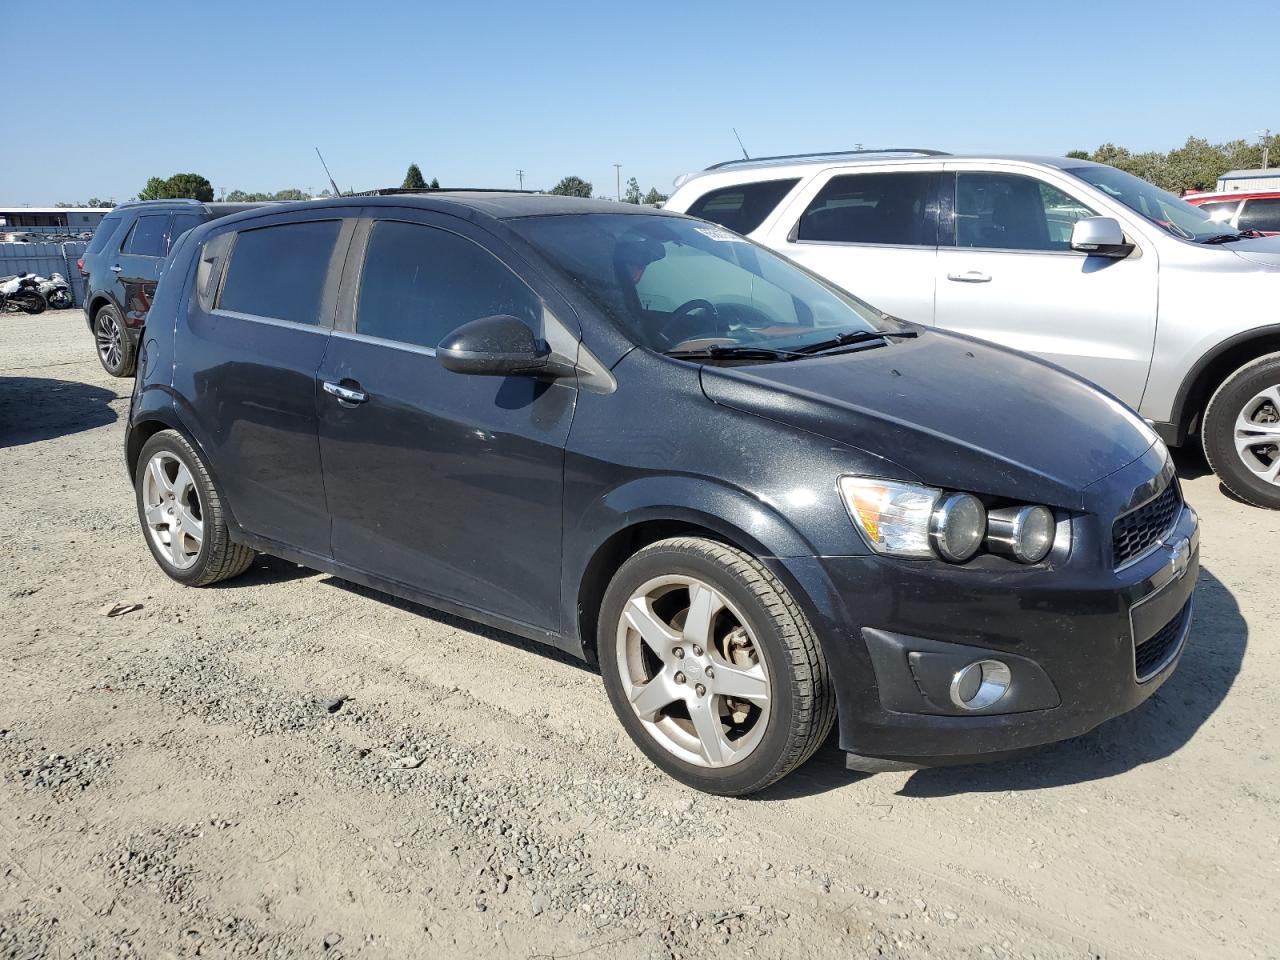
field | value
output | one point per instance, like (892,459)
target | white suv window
(888,208)
(742,207)
(1005,211)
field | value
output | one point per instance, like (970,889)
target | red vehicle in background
(1255,210)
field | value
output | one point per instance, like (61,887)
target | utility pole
(617,169)
(520,174)
(1266,148)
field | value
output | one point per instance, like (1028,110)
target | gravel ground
(292,766)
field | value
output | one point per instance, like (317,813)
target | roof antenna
(740,146)
(336,191)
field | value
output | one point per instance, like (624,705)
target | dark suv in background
(122,266)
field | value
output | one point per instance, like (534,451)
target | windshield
(1178,217)
(682,285)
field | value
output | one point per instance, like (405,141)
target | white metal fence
(44,259)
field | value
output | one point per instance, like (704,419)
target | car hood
(1263,250)
(950,411)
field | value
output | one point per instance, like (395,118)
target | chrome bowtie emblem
(1180,557)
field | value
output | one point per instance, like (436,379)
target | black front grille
(1138,530)
(1153,653)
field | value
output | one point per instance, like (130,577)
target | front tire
(182,516)
(712,667)
(1241,433)
(116,350)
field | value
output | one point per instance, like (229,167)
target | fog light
(980,684)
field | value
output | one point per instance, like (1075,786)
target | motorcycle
(56,292)
(21,293)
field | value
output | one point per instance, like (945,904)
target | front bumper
(1074,637)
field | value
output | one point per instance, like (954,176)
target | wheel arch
(157,421)
(674,507)
(1211,370)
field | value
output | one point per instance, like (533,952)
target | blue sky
(241,92)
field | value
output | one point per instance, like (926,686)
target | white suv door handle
(970,276)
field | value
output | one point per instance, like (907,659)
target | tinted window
(1261,215)
(1220,211)
(742,207)
(105,231)
(146,239)
(182,222)
(420,283)
(1007,212)
(869,208)
(280,271)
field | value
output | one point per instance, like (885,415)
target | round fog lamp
(980,685)
(957,527)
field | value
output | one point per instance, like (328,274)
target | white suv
(1075,262)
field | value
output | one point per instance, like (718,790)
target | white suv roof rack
(829,154)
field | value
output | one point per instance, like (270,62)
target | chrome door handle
(970,276)
(117,268)
(345,394)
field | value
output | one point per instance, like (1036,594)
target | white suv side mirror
(1101,236)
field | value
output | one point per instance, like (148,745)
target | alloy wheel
(693,672)
(1257,435)
(107,332)
(172,509)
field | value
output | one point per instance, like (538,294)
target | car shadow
(266,569)
(1154,730)
(38,408)
(462,623)
(1189,461)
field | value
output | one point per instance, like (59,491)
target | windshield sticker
(716,233)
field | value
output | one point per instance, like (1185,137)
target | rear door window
(742,207)
(420,283)
(279,271)
(1006,211)
(885,208)
(1262,214)
(147,238)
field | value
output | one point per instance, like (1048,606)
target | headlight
(893,516)
(957,526)
(1025,533)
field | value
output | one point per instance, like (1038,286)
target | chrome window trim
(273,321)
(864,243)
(384,342)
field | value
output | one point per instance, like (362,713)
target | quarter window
(870,208)
(420,283)
(743,207)
(279,271)
(105,230)
(1005,211)
(146,239)
(1261,214)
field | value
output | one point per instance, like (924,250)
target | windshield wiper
(1230,237)
(720,351)
(849,339)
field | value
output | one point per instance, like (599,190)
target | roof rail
(911,151)
(396,191)
(134,203)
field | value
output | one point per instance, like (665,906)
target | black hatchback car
(759,504)
(121,267)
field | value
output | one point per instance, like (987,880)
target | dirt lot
(185,778)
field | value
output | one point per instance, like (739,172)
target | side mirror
(496,346)
(1101,236)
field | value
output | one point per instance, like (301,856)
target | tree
(293,193)
(180,186)
(1078,154)
(572,187)
(633,191)
(654,198)
(435,184)
(413,179)
(95,202)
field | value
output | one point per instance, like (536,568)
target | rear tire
(182,515)
(116,350)
(739,695)
(1241,432)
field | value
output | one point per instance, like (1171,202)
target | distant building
(74,219)
(1234,180)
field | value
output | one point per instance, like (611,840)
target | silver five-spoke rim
(171,504)
(1257,435)
(108,334)
(693,672)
